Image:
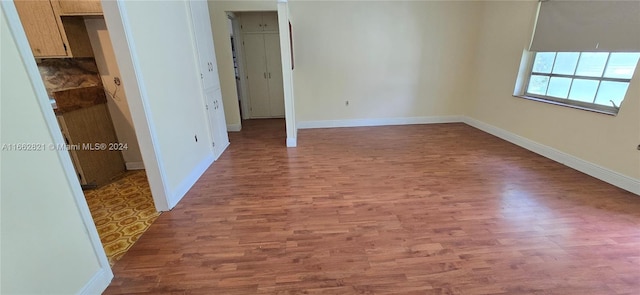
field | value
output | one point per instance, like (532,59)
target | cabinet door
(41,27)
(270,21)
(79,7)
(217,123)
(221,122)
(274,68)
(93,125)
(251,22)
(74,155)
(204,44)
(256,67)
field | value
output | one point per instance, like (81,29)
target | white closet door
(220,124)
(210,81)
(251,21)
(210,97)
(270,21)
(274,66)
(204,43)
(257,71)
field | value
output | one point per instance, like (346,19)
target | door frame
(220,28)
(115,15)
(286,55)
(102,277)
(238,40)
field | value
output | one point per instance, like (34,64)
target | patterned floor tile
(122,211)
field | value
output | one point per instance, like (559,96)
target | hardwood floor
(421,209)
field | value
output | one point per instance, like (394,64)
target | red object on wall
(291,44)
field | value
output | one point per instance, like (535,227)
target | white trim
(234,127)
(597,171)
(216,157)
(378,122)
(98,283)
(186,184)
(117,20)
(287,72)
(103,276)
(134,165)
(241,85)
(292,142)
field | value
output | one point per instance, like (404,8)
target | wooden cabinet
(51,35)
(41,27)
(209,76)
(88,131)
(78,7)
(264,70)
(259,21)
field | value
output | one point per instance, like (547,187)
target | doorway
(255,44)
(84,88)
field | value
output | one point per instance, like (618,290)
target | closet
(263,66)
(209,76)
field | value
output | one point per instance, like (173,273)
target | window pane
(621,65)
(538,84)
(592,64)
(559,87)
(584,90)
(566,63)
(543,62)
(614,91)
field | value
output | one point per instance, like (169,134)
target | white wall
(118,106)
(46,246)
(224,56)
(388,59)
(158,62)
(607,141)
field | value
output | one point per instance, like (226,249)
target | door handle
(265,75)
(269,75)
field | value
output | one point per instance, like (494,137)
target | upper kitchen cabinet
(41,27)
(259,22)
(78,7)
(51,35)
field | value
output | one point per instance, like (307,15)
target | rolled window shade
(587,26)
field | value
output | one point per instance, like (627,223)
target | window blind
(565,25)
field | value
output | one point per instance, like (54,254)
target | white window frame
(610,110)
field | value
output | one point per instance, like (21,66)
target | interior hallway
(419,209)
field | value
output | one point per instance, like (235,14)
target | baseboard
(378,122)
(234,127)
(186,184)
(226,145)
(98,283)
(134,165)
(599,172)
(292,142)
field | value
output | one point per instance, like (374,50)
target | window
(591,80)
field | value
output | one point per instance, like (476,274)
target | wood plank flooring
(421,209)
